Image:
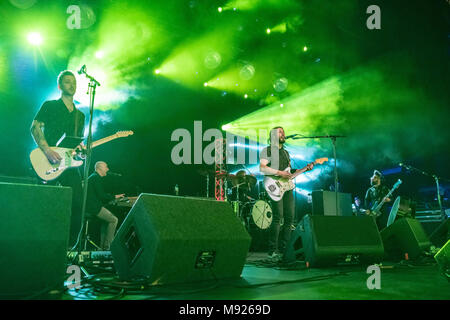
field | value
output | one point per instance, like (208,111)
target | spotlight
(205,84)
(268,31)
(157,71)
(99,54)
(305,48)
(34,38)
(219,9)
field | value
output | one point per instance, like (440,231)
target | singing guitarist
(54,119)
(273,160)
(375,193)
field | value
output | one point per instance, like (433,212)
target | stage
(264,280)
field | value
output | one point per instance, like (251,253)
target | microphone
(114,174)
(82,69)
(291,136)
(401,164)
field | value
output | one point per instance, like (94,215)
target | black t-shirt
(58,120)
(283,158)
(96,197)
(375,194)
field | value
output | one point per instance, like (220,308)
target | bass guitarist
(376,193)
(55,118)
(273,160)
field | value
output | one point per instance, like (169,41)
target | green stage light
(117,69)
(246,5)
(195,62)
(99,54)
(309,105)
(35,38)
(280,28)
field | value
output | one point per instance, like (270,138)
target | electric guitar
(276,186)
(375,210)
(70,158)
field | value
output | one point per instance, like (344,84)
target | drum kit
(254,212)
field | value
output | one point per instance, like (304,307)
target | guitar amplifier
(324,203)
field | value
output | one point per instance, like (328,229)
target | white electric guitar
(276,186)
(47,171)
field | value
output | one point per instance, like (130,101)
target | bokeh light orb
(23,4)
(212,60)
(280,84)
(247,72)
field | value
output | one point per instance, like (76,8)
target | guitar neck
(103,140)
(378,207)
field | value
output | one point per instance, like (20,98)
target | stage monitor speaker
(34,234)
(440,234)
(324,203)
(405,236)
(327,240)
(442,257)
(169,239)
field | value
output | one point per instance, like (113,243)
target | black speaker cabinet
(169,239)
(405,236)
(442,257)
(328,240)
(324,203)
(34,234)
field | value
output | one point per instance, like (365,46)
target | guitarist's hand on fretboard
(309,166)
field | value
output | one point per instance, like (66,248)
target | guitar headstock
(320,160)
(122,134)
(399,182)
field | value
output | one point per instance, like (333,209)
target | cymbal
(251,180)
(246,181)
(205,172)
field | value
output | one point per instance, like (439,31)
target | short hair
(380,175)
(377,173)
(62,74)
(98,163)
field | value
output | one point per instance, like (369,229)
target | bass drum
(262,214)
(258,218)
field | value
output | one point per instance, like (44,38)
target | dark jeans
(382,219)
(72,178)
(283,209)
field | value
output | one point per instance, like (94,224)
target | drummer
(243,186)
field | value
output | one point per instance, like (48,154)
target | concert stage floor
(262,280)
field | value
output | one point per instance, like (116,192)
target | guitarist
(273,160)
(376,193)
(54,118)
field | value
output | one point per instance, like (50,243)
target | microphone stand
(333,140)
(436,179)
(91,91)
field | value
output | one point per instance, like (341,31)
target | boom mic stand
(333,140)
(91,91)
(436,179)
